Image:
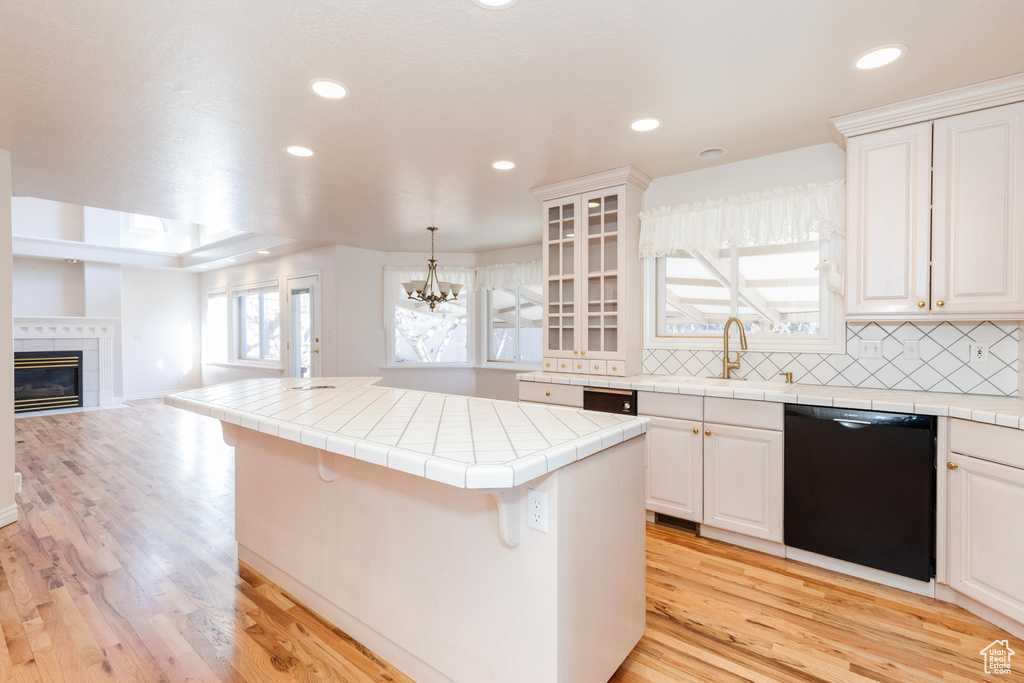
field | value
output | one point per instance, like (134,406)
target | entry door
(304,327)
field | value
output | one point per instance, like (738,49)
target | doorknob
(952,465)
(318,340)
(316,350)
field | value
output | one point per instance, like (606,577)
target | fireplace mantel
(57,327)
(76,333)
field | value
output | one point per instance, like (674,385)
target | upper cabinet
(934,223)
(592,273)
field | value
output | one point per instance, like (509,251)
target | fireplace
(44,380)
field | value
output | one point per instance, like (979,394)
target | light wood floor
(123,568)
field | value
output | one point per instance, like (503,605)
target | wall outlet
(537,510)
(138,337)
(977,353)
(181,380)
(912,349)
(17,482)
(870,349)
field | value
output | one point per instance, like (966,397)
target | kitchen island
(402,517)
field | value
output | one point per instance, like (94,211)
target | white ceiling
(182,109)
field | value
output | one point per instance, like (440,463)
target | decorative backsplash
(942,367)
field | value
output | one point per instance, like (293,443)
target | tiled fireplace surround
(92,336)
(943,365)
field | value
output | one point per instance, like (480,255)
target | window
(514,329)
(431,336)
(776,291)
(258,320)
(216,348)
(145,224)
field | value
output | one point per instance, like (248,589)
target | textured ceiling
(182,109)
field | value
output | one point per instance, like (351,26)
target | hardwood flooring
(123,568)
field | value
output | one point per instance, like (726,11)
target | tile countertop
(1008,412)
(467,442)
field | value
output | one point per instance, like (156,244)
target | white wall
(45,287)
(51,220)
(8,508)
(159,331)
(807,165)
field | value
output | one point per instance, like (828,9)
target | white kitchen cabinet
(985,544)
(675,467)
(934,224)
(592,273)
(743,480)
(978,183)
(888,186)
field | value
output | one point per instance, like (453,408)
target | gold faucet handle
(788,376)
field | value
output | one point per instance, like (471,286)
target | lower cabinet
(985,535)
(743,480)
(675,467)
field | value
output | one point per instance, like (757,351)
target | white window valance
(394,276)
(784,215)
(510,275)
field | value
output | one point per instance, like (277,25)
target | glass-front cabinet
(590,266)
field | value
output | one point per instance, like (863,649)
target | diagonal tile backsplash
(943,364)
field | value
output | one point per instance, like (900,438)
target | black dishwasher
(621,401)
(860,487)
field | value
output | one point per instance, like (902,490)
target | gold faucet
(727,365)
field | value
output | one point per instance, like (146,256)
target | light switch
(870,349)
(912,349)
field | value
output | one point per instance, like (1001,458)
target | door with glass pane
(561,268)
(601,256)
(304,328)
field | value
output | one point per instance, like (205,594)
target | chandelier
(432,291)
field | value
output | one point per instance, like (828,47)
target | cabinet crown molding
(999,91)
(627,175)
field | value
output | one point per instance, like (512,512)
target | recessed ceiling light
(299,150)
(504,165)
(262,251)
(711,152)
(879,56)
(325,87)
(495,4)
(645,124)
(230,260)
(71,260)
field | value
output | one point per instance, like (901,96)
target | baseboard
(769,547)
(382,646)
(974,607)
(925,588)
(9,516)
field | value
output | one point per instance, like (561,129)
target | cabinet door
(675,466)
(600,247)
(561,284)
(986,538)
(977,246)
(888,227)
(743,480)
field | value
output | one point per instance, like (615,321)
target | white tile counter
(1008,412)
(457,440)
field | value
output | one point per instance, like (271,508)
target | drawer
(670,405)
(558,394)
(1003,445)
(616,368)
(559,365)
(597,367)
(551,364)
(732,411)
(579,366)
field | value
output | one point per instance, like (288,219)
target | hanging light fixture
(424,290)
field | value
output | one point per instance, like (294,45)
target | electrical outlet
(17,482)
(977,353)
(537,510)
(327,335)
(912,349)
(870,349)
(138,337)
(181,380)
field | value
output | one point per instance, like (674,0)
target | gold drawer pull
(547,393)
(940,304)
(547,365)
(952,465)
(614,368)
(579,367)
(696,431)
(597,367)
(563,365)
(707,432)
(921,304)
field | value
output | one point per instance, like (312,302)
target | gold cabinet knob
(563,365)
(597,367)
(921,304)
(580,366)
(575,353)
(583,353)
(696,431)
(547,365)
(614,368)
(940,304)
(952,465)
(547,393)
(707,432)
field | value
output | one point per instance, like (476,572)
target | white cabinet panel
(978,181)
(986,538)
(743,480)
(888,221)
(675,468)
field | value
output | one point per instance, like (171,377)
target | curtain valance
(509,275)
(394,276)
(784,215)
